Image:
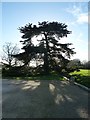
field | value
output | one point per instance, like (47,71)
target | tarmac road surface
(43,99)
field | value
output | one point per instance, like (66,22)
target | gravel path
(43,99)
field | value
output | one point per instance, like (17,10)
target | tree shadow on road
(48,99)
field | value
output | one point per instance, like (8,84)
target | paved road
(43,99)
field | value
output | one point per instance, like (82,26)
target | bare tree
(8,50)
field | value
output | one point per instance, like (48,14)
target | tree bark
(46,61)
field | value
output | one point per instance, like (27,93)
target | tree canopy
(53,54)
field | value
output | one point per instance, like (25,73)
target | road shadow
(45,99)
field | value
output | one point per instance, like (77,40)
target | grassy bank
(82,77)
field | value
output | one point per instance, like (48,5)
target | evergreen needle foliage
(53,54)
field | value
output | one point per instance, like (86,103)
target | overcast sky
(74,14)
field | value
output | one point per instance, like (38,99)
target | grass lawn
(82,77)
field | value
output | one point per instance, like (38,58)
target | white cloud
(74,10)
(80,16)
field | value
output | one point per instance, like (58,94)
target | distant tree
(54,54)
(86,64)
(74,64)
(8,50)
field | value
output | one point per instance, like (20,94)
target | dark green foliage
(17,71)
(49,49)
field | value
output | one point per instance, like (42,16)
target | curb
(82,86)
(79,85)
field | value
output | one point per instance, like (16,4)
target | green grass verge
(47,77)
(82,77)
